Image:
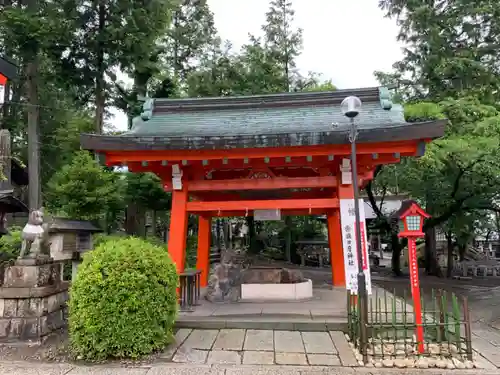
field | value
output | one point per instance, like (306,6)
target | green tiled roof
(260,115)
(277,120)
(262,121)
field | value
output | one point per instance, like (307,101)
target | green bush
(123,302)
(10,244)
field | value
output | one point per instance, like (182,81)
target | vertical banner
(348,221)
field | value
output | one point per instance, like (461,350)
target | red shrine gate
(231,156)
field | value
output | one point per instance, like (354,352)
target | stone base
(36,260)
(32,300)
(32,275)
(277,292)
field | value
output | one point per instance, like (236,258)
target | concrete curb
(28,368)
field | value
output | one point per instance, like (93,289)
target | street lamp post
(350,108)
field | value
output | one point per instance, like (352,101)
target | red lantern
(411,218)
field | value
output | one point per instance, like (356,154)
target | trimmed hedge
(123,302)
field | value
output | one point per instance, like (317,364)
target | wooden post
(203,254)
(336,251)
(415,291)
(178,228)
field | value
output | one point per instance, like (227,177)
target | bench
(190,289)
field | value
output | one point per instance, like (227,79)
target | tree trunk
(252,236)
(461,251)
(396,255)
(431,264)
(33,118)
(449,263)
(100,83)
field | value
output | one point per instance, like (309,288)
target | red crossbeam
(284,204)
(263,184)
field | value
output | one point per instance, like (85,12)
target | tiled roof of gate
(265,114)
(275,120)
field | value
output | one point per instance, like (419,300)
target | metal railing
(391,326)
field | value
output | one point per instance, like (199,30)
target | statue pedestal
(32,300)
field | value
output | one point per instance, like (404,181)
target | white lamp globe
(351,106)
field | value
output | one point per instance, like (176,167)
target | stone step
(263,323)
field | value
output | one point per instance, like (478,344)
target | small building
(69,239)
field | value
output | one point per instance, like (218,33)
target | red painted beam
(283,194)
(263,184)
(400,147)
(241,213)
(290,204)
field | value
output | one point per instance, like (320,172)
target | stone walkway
(260,347)
(326,311)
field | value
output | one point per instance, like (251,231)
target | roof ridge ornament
(147,108)
(385,98)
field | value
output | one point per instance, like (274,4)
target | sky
(345,40)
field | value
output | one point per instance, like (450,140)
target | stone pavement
(260,347)
(326,308)
(11,368)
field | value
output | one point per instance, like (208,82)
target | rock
(347,337)
(378,364)
(225,279)
(400,346)
(469,365)
(388,363)
(359,356)
(477,365)
(291,276)
(457,363)
(441,364)
(432,362)
(422,363)
(410,363)
(400,363)
(261,276)
(400,353)
(434,349)
(450,365)
(361,363)
(369,364)
(388,349)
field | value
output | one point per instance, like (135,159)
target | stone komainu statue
(33,236)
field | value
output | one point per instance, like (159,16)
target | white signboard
(267,215)
(348,221)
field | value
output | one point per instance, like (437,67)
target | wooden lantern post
(411,218)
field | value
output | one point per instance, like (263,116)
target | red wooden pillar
(336,251)
(203,255)
(178,228)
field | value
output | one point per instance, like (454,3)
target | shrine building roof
(273,120)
